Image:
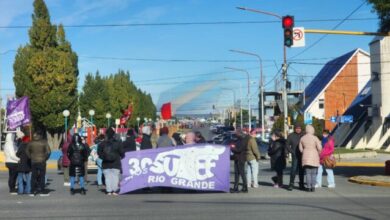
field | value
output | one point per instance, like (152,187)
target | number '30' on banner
(197,167)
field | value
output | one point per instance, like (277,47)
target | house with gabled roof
(334,88)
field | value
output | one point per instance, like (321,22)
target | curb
(359,180)
(359,164)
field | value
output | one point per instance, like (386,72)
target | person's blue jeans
(330,175)
(72,181)
(99,176)
(252,172)
(112,180)
(24,182)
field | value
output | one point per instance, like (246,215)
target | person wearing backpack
(111,152)
(77,153)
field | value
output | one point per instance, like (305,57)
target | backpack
(109,153)
(76,158)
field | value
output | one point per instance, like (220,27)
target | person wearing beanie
(296,156)
(146,143)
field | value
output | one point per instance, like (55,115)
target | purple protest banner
(18,112)
(203,167)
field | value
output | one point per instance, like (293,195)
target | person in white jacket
(11,161)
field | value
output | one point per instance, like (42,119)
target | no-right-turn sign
(299,37)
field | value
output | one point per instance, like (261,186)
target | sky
(151,53)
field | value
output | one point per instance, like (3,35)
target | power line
(334,28)
(189,23)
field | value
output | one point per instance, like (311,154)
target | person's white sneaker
(317,186)
(332,186)
(66,184)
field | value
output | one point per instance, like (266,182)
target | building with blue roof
(335,87)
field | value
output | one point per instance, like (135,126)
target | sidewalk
(373,180)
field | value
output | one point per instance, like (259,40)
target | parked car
(263,146)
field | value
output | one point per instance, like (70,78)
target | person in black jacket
(77,153)
(111,152)
(129,144)
(277,153)
(239,162)
(24,165)
(296,156)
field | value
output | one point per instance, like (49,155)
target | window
(321,103)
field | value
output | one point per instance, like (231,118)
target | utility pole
(284,96)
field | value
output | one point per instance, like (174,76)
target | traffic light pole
(285,103)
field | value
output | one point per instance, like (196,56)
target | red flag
(166,111)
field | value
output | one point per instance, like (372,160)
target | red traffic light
(288,21)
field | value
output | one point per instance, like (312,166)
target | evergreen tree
(382,8)
(113,94)
(46,71)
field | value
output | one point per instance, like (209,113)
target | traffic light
(288,25)
(288,85)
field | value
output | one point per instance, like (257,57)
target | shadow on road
(245,203)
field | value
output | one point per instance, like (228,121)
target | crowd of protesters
(309,156)
(26,159)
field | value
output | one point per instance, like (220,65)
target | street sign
(299,37)
(308,118)
(347,119)
(333,119)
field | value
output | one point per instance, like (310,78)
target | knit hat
(19,134)
(298,125)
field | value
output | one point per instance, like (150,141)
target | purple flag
(198,167)
(18,112)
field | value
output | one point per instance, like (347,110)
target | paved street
(347,201)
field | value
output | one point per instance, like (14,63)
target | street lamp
(145,120)
(249,101)
(108,116)
(284,68)
(240,84)
(261,86)
(91,113)
(138,119)
(66,114)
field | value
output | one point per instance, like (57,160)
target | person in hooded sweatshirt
(111,152)
(77,153)
(129,144)
(146,143)
(11,162)
(24,166)
(310,146)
